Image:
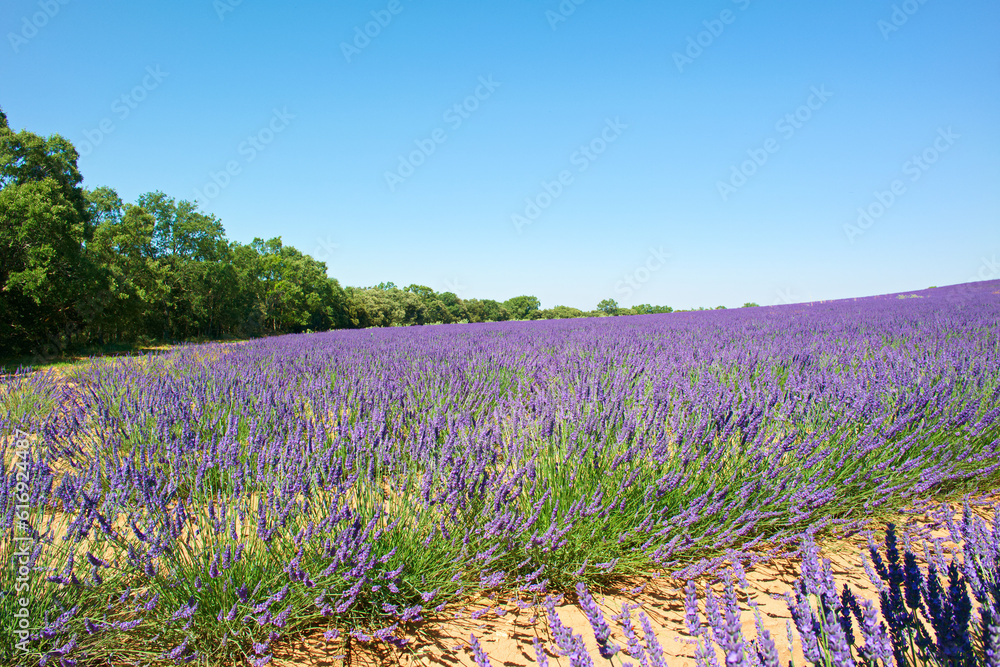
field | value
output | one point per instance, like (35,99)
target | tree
(521,307)
(191,250)
(296,294)
(454,306)
(608,307)
(420,290)
(560,313)
(132,279)
(374,308)
(751,304)
(647,309)
(43,227)
(182,230)
(104,205)
(494,311)
(485,310)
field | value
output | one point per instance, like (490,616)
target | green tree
(43,227)
(485,310)
(191,250)
(608,307)
(560,313)
(454,306)
(494,311)
(420,290)
(374,308)
(132,278)
(104,205)
(647,309)
(521,307)
(296,293)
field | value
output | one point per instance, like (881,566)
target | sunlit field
(207,503)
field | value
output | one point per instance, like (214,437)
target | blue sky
(709,154)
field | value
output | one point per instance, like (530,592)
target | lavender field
(209,503)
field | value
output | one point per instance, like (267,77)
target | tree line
(81,268)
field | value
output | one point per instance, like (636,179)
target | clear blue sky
(682,125)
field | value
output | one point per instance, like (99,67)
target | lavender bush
(925,616)
(208,503)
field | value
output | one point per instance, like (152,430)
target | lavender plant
(925,618)
(926,614)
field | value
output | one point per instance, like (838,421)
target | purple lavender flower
(570,643)
(185,610)
(806,624)
(653,649)
(877,644)
(704,655)
(691,616)
(766,649)
(541,658)
(635,648)
(848,605)
(840,650)
(912,580)
(602,633)
(178,651)
(477,651)
(990,629)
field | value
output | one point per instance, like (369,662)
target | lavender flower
(877,645)
(766,649)
(477,651)
(602,633)
(541,658)
(691,617)
(570,643)
(653,649)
